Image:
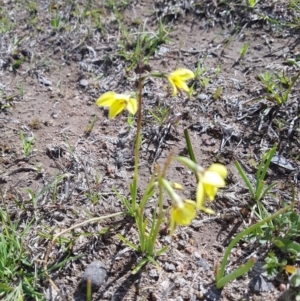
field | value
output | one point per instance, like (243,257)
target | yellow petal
(200,196)
(183,215)
(184,74)
(106,100)
(207,210)
(177,186)
(213,178)
(290,269)
(179,83)
(178,79)
(210,191)
(172,224)
(173,86)
(124,97)
(116,108)
(132,106)
(220,169)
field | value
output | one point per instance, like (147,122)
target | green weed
(117,4)
(27,144)
(159,113)
(278,87)
(56,22)
(17,272)
(217,93)
(258,192)
(252,3)
(130,120)
(139,47)
(90,126)
(283,235)
(221,278)
(244,50)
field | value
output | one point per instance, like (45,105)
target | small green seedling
(252,3)
(56,22)
(27,143)
(217,93)
(221,279)
(130,120)
(90,126)
(244,50)
(272,264)
(160,113)
(278,87)
(258,192)
(17,271)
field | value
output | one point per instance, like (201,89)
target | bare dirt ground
(49,81)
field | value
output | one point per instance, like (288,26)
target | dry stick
(53,242)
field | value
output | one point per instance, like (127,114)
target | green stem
(159,220)
(221,271)
(242,270)
(137,142)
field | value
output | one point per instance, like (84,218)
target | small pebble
(83,83)
(202,96)
(180,282)
(282,287)
(189,249)
(153,273)
(169,267)
(197,255)
(165,284)
(259,284)
(58,216)
(203,263)
(180,268)
(167,240)
(182,244)
(96,272)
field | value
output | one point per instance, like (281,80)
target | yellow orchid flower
(182,211)
(291,269)
(178,79)
(182,214)
(209,181)
(117,103)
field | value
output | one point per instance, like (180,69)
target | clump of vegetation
(171,208)
(35,124)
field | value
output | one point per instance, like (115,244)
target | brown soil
(51,97)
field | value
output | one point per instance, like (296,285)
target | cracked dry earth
(50,96)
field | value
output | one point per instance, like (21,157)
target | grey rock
(259,284)
(54,115)
(179,282)
(202,96)
(282,162)
(153,273)
(203,263)
(162,51)
(169,267)
(182,244)
(197,255)
(96,273)
(44,81)
(184,236)
(84,83)
(167,240)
